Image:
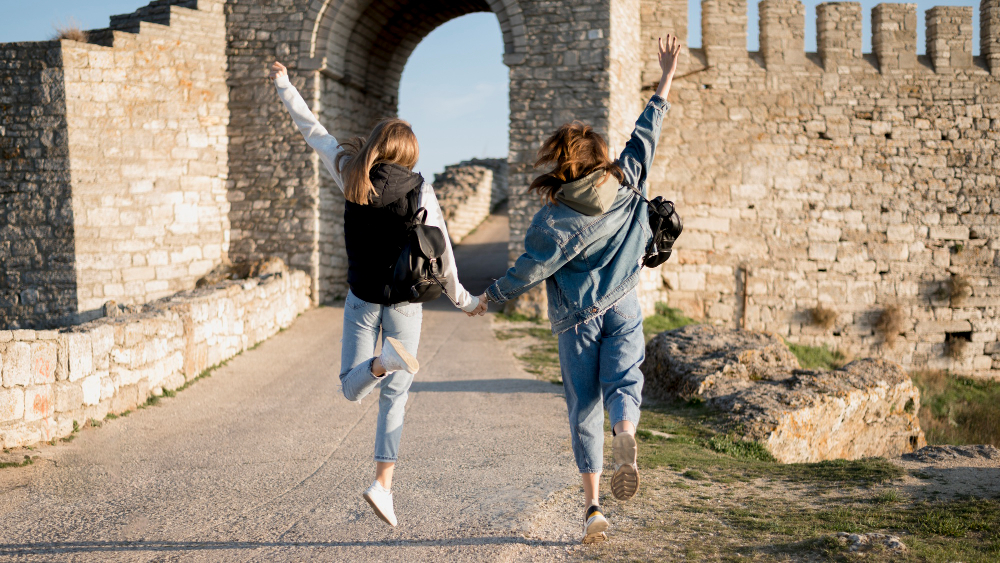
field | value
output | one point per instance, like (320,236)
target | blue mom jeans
(362,323)
(600,362)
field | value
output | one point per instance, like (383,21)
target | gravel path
(266,461)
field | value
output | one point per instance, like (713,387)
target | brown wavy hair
(576,150)
(391,142)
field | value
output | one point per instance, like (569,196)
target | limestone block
(67,396)
(80,355)
(43,362)
(868,408)
(38,403)
(823,251)
(11,404)
(953,232)
(900,233)
(17,364)
(91,389)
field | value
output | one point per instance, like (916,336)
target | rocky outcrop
(867,408)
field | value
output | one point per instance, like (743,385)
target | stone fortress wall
(857,183)
(851,181)
(468,192)
(117,170)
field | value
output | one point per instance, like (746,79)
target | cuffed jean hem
(625,408)
(385,459)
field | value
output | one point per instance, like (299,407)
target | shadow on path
(166,546)
(487,386)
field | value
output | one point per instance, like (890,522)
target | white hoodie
(329,150)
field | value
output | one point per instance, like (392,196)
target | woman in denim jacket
(586,244)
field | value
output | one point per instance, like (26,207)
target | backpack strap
(419,217)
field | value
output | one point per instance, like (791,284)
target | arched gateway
(854,183)
(347,57)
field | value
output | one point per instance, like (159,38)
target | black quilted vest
(375,233)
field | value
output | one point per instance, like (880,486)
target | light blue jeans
(362,322)
(600,362)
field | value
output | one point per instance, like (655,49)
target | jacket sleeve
(460,297)
(637,156)
(315,134)
(542,257)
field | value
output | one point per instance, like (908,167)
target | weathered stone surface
(11,404)
(867,408)
(17,364)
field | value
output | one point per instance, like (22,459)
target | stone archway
(359,49)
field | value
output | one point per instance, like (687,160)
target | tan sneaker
(625,480)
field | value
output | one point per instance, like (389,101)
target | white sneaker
(381,502)
(594,525)
(395,358)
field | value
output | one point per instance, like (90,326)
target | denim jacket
(589,262)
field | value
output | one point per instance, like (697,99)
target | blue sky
(454,87)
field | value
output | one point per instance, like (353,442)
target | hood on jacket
(392,182)
(593,194)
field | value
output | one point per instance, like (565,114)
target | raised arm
(316,135)
(637,156)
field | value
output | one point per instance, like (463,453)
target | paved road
(266,461)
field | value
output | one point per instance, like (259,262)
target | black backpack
(416,277)
(666,226)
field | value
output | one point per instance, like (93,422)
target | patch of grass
(518,318)
(955,346)
(890,323)
(955,289)
(888,496)
(694,474)
(739,448)
(817,357)
(696,446)
(822,317)
(957,410)
(28,460)
(542,357)
(71,31)
(666,318)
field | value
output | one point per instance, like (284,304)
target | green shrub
(817,357)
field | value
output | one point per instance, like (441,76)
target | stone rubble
(864,542)
(867,408)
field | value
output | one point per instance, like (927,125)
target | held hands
(277,69)
(481,309)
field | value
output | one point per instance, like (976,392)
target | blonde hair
(576,150)
(391,142)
